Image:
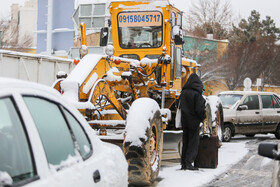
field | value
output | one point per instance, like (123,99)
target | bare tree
(259,59)
(209,16)
(10,36)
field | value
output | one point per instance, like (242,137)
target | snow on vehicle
(45,141)
(129,94)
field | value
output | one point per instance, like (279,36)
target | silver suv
(250,113)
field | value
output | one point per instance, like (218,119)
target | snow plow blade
(171,141)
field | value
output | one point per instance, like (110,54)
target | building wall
(26,18)
(197,48)
(62,27)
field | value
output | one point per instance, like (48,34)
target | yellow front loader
(128,95)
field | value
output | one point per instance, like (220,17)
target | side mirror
(269,150)
(242,107)
(104,36)
(177,32)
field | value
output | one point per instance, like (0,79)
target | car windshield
(228,100)
(140,29)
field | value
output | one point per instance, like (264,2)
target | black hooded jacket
(192,103)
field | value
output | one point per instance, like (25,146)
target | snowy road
(239,165)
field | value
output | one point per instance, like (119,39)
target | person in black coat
(193,112)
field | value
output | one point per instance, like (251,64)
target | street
(250,170)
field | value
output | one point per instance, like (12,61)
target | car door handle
(96,176)
(278,111)
(257,112)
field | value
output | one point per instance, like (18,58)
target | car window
(269,101)
(83,142)
(252,102)
(52,127)
(229,100)
(277,103)
(15,154)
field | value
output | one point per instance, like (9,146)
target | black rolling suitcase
(207,156)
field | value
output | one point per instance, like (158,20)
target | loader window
(172,63)
(179,19)
(178,62)
(140,29)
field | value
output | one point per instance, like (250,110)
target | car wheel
(277,132)
(227,133)
(144,160)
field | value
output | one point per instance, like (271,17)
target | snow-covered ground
(229,154)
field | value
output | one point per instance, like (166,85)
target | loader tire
(144,160)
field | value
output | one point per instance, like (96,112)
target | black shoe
(183,167)
(190,167)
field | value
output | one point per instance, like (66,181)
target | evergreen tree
(269,28)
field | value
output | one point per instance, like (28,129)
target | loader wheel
(144,156)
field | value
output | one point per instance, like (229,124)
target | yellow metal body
(83,34)
(162,78)
(117,7)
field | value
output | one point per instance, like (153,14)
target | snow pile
(70,161)
(83,69)
(71,89)
(146,61)
(71,84)
(229,155)
(90,82)
(110,75)
(5,179)
(153,5)
(166,113)
(138,119)
(126,73)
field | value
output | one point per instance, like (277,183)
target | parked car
(44,141)
(270,150)
(250,113)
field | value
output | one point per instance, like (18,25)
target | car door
(66,146)
(249,121)
(270,108)
(277,108)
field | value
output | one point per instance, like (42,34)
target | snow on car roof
(16,83)
(245,92)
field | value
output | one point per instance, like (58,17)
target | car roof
(245,92)
(22,84)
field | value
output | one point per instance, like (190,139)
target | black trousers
(190,145)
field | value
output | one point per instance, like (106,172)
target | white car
(44,141)
(250,113)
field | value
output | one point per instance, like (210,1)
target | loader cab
(137,32)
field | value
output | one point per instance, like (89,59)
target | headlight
(109,50)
